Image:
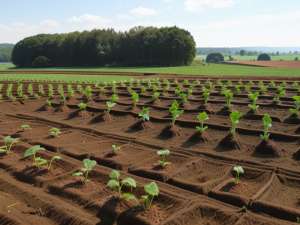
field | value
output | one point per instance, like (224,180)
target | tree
(215,58)
(140,46)
(41,61)
(264,57)
(242,52)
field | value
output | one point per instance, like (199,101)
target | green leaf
(163,152)
(202,117)
(267,121)
(39,161)
(89,164)
(113,184)
(235,117)
(77,174)
(129,182)
(238,169)
(33,150)
(56,158)
(115,175)
(128,197)
(151,189)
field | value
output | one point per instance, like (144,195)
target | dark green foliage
(5,52)
(140,46)
(41,61)
(264,57)
(215,58)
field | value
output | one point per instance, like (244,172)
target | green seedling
(54,132)
(82,106)
(163,154)
(267,124)
(50,91)
(155,96)
(238,170)
(54,158)
(115,149)
(49,102)
(253,98)
(110,105)
(235,117)
(32,152)
(184,97)
(88,166)
(116,184)
(228,97)
(135,98)
(9,142)
(176,113)
(202,117)
(151,191)
(205,95)
(144,114)
(114,98)
(295,111)
(280,93)
(30,90)
(25,127)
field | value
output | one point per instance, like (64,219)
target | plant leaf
(129,182)
(152,189)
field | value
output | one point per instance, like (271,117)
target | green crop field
(195,69)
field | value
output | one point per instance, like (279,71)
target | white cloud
(272,29)
(195,5)
(143,11)
(88,21)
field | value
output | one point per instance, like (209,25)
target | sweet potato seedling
(25,127)
(114,98)
(205,95)
(155,96)
(295,110)
(49,102)
(228,98)
(238,170)
(116,184)
(54,132)
(32,152)
(144,114)
(115,149)
(163,154)
(82,106)
(9,142)
(235,119)
(88,166)
(267,124)
(135,98)
(109,106)
(253,98)
(202,117)
(151,191)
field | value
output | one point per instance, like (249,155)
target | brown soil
(192,188)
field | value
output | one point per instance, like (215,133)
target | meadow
(195,69)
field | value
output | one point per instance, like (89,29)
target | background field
(195,69)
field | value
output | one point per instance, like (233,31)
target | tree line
(5,52)
(140,46)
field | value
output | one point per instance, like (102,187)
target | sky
(213,23)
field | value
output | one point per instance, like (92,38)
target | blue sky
(211,22)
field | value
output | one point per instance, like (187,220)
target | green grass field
(61,77)
(195,69)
